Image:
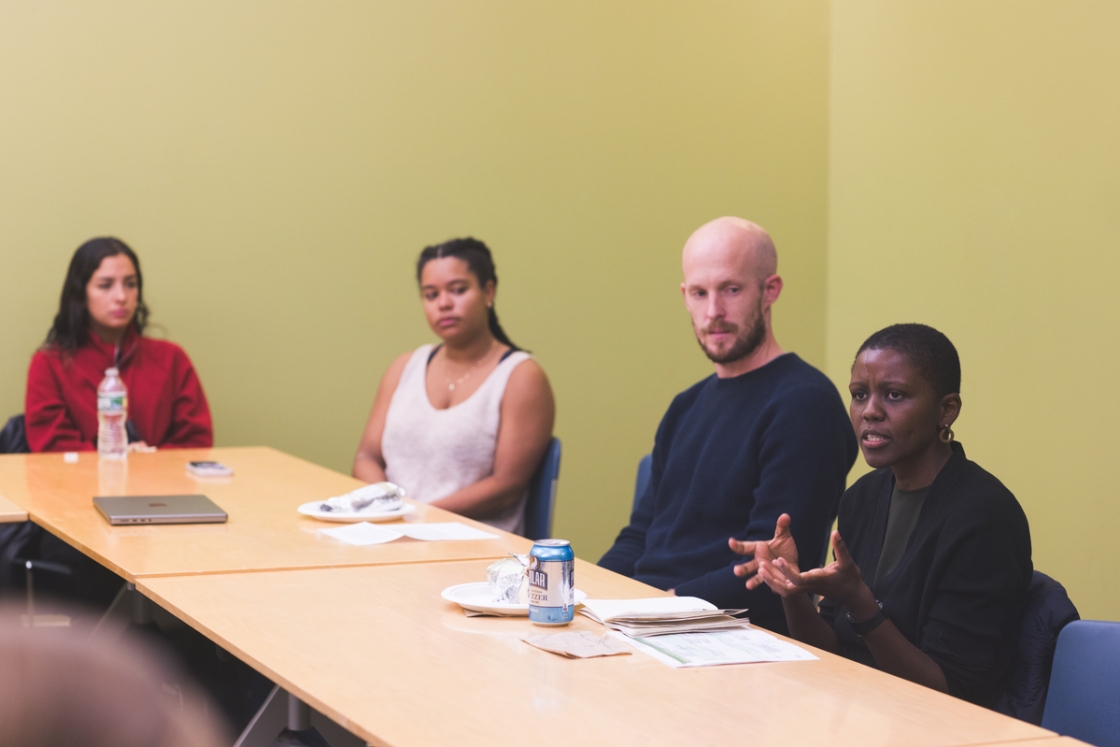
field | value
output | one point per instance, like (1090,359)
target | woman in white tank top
(464,424)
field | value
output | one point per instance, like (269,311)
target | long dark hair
(71,325)
(479,262)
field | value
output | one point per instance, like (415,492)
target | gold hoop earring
(946,435)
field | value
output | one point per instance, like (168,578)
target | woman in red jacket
(100,325)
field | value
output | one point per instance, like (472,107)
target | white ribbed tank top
(433,453)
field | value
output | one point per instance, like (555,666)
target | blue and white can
(552,591)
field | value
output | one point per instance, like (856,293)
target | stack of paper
(662,615)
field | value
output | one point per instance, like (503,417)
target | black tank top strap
(435,350)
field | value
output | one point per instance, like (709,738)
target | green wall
(974,185)
(278,166)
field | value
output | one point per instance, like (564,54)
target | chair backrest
(1046,612)
(1084,699)
(541,503)
(643,478)
(13,436)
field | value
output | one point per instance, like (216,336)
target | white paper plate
(312,509)
(477,598)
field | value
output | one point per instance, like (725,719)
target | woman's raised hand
(840,580)
(782,546)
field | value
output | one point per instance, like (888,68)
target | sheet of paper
(450,530)
(606,609)
(647,630)
(363,533)
(581,644)
(743,646)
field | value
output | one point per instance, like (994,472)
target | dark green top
(902,517)
(957,593)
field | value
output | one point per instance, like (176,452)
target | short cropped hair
(928,350)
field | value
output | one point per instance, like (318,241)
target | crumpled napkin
(581,644)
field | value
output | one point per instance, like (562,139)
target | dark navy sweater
(730,456)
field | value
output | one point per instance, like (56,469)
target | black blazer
(958,589)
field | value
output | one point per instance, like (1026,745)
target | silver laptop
(159,509)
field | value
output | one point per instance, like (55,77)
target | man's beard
(746,342)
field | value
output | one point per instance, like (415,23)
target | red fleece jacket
(165,400)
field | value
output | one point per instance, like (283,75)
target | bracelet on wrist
(863,628)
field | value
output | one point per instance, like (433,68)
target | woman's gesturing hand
(840,580)
(782,546)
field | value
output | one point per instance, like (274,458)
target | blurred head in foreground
(57,689)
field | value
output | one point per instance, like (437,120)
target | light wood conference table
(10,512)
(378,651)
(263,532)
(1046,742)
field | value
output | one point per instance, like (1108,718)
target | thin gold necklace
(474,367)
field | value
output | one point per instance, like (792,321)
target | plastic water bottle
(112,412)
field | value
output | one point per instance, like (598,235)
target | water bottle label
(112,402)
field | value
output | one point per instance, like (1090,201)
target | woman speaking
(463,424)
(933,554)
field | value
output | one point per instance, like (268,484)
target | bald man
(766,434)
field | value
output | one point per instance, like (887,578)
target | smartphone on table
(208,469)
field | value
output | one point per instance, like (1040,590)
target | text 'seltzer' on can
(552,591)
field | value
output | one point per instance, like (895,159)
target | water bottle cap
(112,372)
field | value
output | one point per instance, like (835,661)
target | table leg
(280,710)
(129,607)
(283,710)
(335,735)
(267,723)
(299,714)
(32,619)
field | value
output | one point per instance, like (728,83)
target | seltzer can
(552,592)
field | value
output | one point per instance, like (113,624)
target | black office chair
(33,560)
(20,542)
(1046,612)
(14,538)
(13,436)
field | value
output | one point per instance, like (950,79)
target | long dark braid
(479,262)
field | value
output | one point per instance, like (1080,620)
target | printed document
(742,646)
